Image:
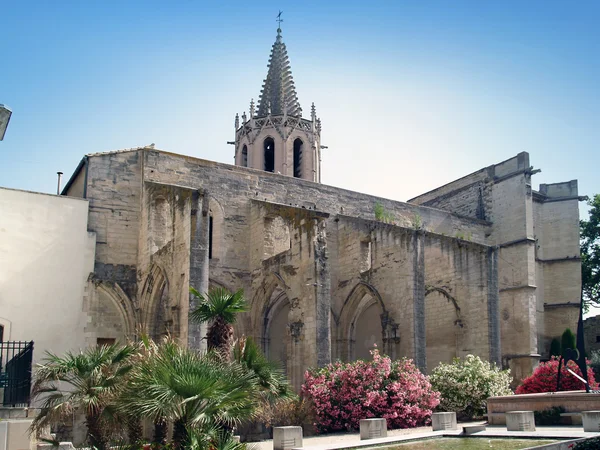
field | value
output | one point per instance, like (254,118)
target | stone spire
(278,88)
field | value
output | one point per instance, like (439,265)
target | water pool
(471,443)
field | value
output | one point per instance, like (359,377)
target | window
(597,338)
(105,341)
(269,151)
(298,145)
(245,156)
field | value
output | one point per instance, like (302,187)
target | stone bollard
(287,437)
(373,428)
(443,421)
(520,421)
(591,421)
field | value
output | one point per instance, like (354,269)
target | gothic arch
(262,296)
(298,155)
(443,326)
(363,318)
(244,157)
(268,151)
(154,302)
(108,303)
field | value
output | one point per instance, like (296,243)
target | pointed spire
(237,121)
(279,84)
(313,112)
(244,118)
(251,108)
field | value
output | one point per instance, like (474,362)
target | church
(484,265)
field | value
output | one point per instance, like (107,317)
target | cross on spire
(279,19)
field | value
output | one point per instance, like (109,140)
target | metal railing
(15,372)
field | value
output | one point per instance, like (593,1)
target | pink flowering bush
(544,378)
(344,393)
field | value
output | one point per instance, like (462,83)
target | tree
(567,340)
(219,308)
(590,254)
(89,381)
(273,384)
(555,348)
(197,393)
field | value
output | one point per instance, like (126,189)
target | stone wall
(327,277)
(591,331)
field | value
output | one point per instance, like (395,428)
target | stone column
(493,301)
(199,264)
(420,354)
(323,295)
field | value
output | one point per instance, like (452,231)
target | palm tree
(220,308)
(272,381)
(89,381)
(195,392)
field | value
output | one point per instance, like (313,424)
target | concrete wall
(46,257)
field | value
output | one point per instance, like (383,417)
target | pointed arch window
(298,147)
(244,156)
(269,152)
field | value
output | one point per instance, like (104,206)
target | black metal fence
(15,372)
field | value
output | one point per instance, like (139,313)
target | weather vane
(279,19)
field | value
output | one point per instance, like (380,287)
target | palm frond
(218,303)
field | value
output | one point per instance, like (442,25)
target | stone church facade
(484,265)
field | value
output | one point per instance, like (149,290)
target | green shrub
(594,363)
(555,348)
(567,340)
(588,444)
(465,385)
(550,416)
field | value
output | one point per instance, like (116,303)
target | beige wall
(46,256)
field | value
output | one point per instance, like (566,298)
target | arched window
(244,156)
(298,146)
(269,149)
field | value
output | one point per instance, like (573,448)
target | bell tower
(275,137)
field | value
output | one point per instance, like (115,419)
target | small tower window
(269,148)
(245,156)
(298,146)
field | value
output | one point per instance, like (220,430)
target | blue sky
(411,94)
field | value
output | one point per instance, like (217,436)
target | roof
(124,150)
(278,91)
(82,163)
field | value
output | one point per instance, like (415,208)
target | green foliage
(588,444)
(220,308)
(465,385)
(220,303)
(272,381)
(550,416)
(417,222)
(195,392)
(594,363)
(89,382)
(382,215)
(590,254)
(567,340)
(555,348)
